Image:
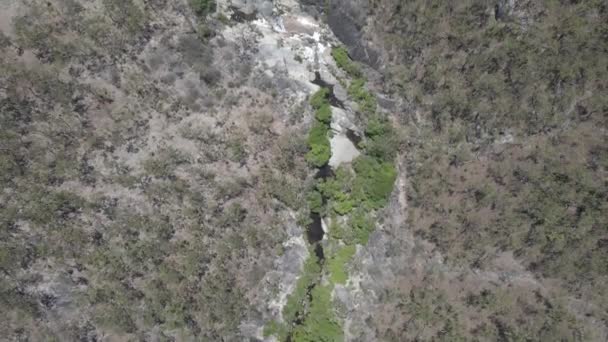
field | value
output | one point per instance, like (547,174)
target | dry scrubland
(153,172)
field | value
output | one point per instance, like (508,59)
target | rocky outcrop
(347,20)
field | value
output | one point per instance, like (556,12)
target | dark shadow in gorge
(333,100)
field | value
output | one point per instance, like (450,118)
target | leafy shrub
(318,99)
(365,100)
(323,114)
(340,55)
(202,8)
(374,182)
(361,224)
(337,189)
(315,201)
(318,144)
(382,142)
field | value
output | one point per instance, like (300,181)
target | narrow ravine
(348,187)
(352,176)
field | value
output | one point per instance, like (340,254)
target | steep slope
(501,105)
(153,166)
(359,170)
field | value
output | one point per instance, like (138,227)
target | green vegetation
(337,190)
(364,187)
(319,99)
(353,192)
(315,201)
(336,264)
(321,324)
(367,186)
(316,312)
(362,224)
(504,155)
(374,181)
(323,114)
(364,99)
(297,299)
(382,141)
(202,8)
(340,55)
(318,143)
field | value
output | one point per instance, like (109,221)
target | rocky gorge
(303,170)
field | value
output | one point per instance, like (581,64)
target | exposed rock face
(342,150)
(347,19)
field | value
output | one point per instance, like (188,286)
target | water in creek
(314,231)
(353,137)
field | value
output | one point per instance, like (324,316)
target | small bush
(315,201)
(340,55)
(382,141)
(319,146)
(365,100)
(362,224)
(338,189)
(374,182)
(323,114)
(318,99)
(202,8)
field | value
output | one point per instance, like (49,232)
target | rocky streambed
(290,42)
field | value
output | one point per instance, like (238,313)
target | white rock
(342,150)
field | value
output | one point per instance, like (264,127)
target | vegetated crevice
(346,197)
(314,231)
(353,137)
